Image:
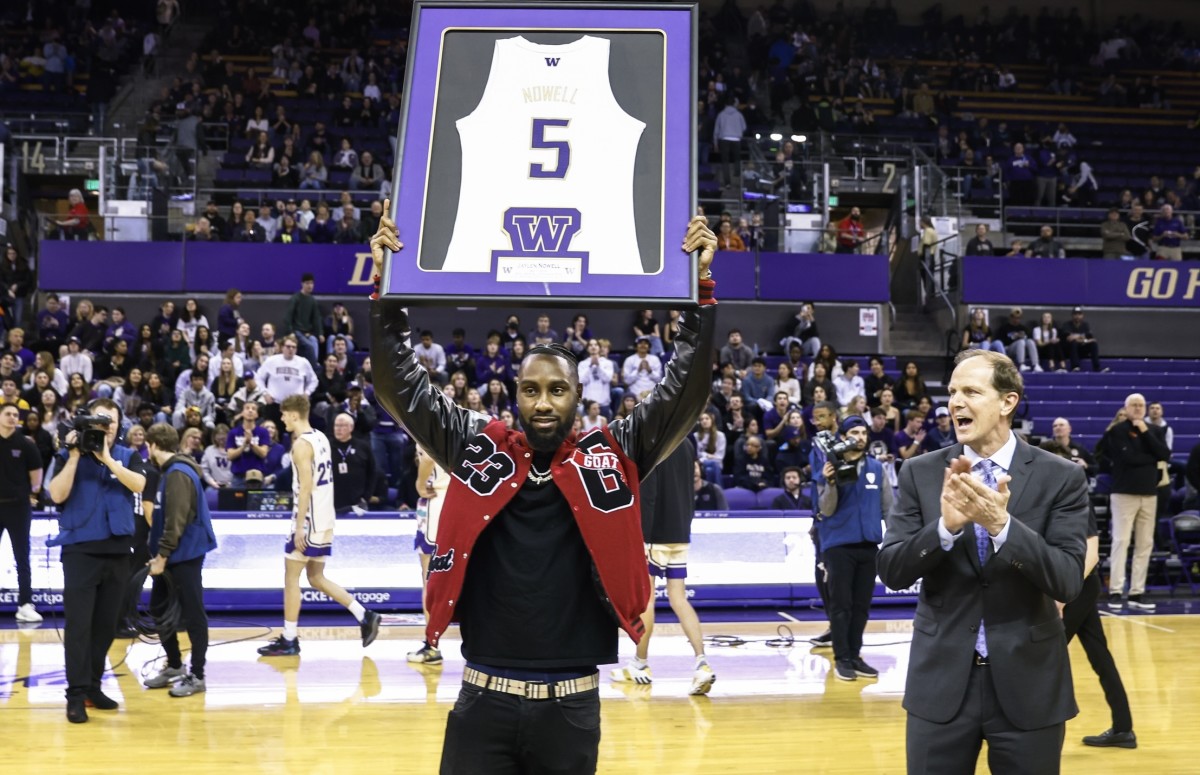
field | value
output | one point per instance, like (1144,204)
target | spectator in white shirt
(76,361)
(595,375)
(432,356)
(642,371)
(848,384)
(286,374)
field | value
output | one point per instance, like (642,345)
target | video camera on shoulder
(835,450)
(90,430)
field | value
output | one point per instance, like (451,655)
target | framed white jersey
(546,152)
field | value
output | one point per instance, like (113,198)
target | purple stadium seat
(741,499)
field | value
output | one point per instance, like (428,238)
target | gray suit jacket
(1013,593)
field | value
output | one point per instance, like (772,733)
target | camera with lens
(90,430)
(835,450)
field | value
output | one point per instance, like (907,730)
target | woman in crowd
(44,362)
(191,443)
(114,365)
(243,345)
(315,173)
(78,394)
(33,394)
(459,380)
(147,349)
(819,379)
(1045,336)
(130,395)
(203,343)
(339,323)
(322,229)
(495,400)
(229,316)
(77,223)
(55,416)
(828,357)
(785,380)
(628,403)
(224,386)
(910,387)
(517,353)
(41,438)
(474,402)
(135,439)
(159,394)
(331,387)
(978,334)
(290,233)
(670,331)
(794,445)
(710,447)
(17,280)
(261,155)
(190,320)
(592,418)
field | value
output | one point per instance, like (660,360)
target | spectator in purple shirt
(1168,231)
(1020,171)
(229,317)
(247,445)
(52,325)
(494,363)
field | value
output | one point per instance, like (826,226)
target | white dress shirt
(1003,460)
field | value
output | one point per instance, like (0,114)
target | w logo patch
(552,61)
(541,232)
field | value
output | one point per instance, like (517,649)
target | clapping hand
(967,499)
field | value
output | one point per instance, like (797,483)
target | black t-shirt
(112,544)
(18,456)
(668,498)
(531,598)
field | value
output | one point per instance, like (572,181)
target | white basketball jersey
(564,206)
(322,511)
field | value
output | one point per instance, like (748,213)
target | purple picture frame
(674,281)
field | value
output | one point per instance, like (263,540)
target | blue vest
(859,515)
(99,506)
(198,537)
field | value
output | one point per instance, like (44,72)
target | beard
(546,440)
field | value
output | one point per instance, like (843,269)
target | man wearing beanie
(850,524)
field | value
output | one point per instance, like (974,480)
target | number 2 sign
(546,154)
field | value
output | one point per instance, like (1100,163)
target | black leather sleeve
(670,412)
(403,388)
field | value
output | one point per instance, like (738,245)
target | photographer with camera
(94,487)
(854,498)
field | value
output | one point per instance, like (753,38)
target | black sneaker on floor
(863,669)
(1114,602)
(76,710)
(281,647)
(99,700)
(824,640)
(369,627)
(126,633)
(1112,739)
(844,670)
(1136,601)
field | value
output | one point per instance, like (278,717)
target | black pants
(93,588)
(820,572)
(1081,618)
(502,734)
(190,585)
(953,747)
(15,517)
(851,569)
(731,156)
(1078,350)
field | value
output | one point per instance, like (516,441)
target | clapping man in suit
(996,531)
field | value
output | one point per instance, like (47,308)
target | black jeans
(1081,618)
(502,734)
(93,589)
(15,517)
(820,573)
(851,580)
(1079,350)
(190,585)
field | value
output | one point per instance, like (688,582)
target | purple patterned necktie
(987,475)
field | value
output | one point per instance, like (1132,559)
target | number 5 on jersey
(539,142)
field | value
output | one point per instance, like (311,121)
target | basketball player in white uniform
(311,541)
(560,200)
(432,481)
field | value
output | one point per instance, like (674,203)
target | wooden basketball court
(338,708)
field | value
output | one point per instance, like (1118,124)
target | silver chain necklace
(538,477)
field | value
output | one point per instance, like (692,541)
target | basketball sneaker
(823,641)
(27,613)
(702,679)
(281,647)
(187,686)
(633,673)
(167,676)
(369,627)
(426,655)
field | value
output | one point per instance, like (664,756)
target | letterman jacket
(597,471)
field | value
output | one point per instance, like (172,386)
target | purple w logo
(552,61)
(541,231)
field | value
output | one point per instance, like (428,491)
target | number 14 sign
(546,154)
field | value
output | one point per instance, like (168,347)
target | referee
(20,480)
